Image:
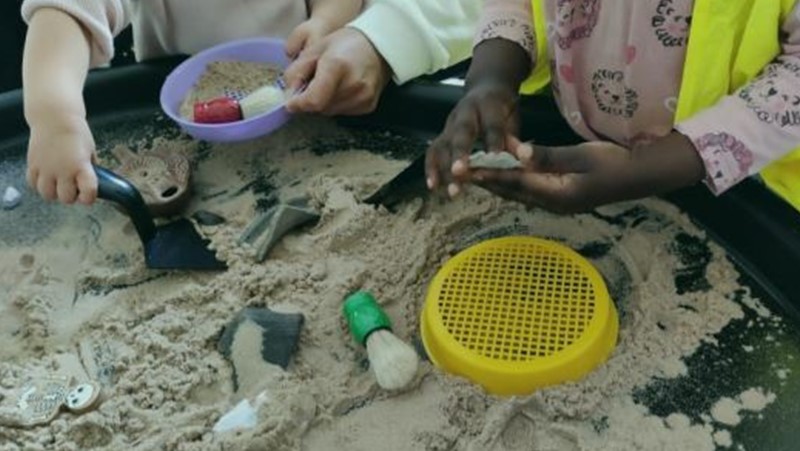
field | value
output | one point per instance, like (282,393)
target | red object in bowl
(217,111)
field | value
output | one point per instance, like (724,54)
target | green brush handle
(364,316)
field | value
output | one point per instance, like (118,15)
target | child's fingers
(433,158)
(66,190)
(465,133)
(301,70)
(494,138)
(494,124)
(313,38)
(296,42)
(31,175)
(460,169)
(453,145)
(523,152)
(453,189)
(512,143)
(87,186)
(46,187)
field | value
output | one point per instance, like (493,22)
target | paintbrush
(393,361)
(227,109)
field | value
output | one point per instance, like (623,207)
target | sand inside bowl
(235,79)
(81,302)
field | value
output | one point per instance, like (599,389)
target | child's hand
(60,157)
(487,112)
(564,179)
(578,178)
(307,34)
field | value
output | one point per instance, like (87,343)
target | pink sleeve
(508,19)
(102,19)
(755,126)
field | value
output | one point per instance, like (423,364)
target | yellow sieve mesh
(518,302)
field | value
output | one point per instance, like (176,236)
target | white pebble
(11,198)
(243,416)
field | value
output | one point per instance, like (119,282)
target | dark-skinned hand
(578,178)
(488,112)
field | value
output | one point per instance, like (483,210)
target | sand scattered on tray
(728,411)
(81,302)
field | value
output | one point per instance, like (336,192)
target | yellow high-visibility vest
(740,35)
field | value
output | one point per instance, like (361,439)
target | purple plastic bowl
(183,78)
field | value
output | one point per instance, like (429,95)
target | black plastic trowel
(408,184)
(176,245)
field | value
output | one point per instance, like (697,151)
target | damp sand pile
(235,79)
(81,303)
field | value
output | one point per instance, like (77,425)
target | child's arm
(326,17)
(65,39)
(574,179)
(55,64)
(337,13)
(724,144)
(759,124)
(502,60)
(505,46)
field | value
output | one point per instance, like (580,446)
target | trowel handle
(114,188)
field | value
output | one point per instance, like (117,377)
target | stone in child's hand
(493,160)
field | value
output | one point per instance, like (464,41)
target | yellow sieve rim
(518,313)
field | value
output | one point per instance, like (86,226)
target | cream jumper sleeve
(418,37)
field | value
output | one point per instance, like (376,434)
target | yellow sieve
(516,314)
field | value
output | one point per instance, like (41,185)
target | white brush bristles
(261,100)
(393,361)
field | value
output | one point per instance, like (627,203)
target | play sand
(80,302)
